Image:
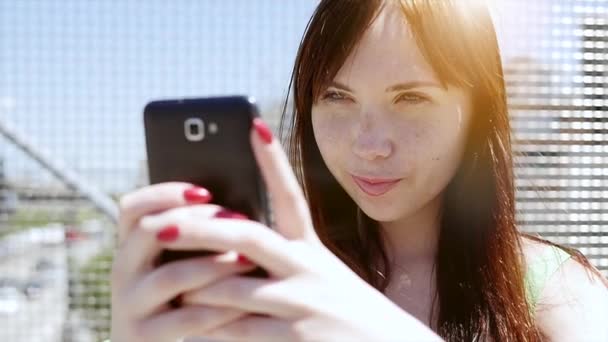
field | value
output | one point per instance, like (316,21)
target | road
(39,319)
(43,318)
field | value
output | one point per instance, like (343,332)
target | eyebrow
(396,87)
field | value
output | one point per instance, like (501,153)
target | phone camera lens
(194,129)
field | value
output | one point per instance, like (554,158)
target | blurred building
(558,107)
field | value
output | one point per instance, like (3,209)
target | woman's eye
(334,96)
(412,98)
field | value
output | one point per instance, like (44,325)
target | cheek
(330,134)
(446,143)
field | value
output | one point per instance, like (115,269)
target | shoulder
(533,250)
(573,303)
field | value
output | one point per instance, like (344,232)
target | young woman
(405,228)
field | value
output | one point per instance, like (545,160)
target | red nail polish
(243,260)
(197,195)
(168,234)
(225,213)
(263,131)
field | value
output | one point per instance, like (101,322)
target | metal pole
(100,200)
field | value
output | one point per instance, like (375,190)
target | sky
(76,74)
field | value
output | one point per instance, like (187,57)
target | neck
(413,240)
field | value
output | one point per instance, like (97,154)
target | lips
(375,186)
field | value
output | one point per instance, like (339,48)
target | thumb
(290,209)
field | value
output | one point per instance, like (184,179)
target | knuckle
(255,237)
(218,294)
(171,274)
(249,241)
(143,223)
(207,267)
(186,272)
(204,265)
(235,288)
(193,317)
(244,329)
(124,202)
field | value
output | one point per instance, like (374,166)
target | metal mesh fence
(75,76)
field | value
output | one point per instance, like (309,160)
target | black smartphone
(205,141)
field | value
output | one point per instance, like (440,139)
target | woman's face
(387,129)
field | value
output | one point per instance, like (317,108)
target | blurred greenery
(27,218)
(90,293)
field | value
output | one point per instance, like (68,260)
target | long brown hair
(479,265)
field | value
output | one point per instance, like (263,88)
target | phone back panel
(221,161)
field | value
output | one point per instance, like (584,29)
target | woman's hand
(141,291)
(310,294)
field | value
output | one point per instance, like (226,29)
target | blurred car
(9,282)
(74,235)
(44,265)
(32,289)
(47,272)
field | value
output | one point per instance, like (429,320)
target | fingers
(196,230)
(155,198)
(291,211)
(136,249)
(188,321)
(137,253)
(168,281)
(256,328)
(133,258)
(262,296)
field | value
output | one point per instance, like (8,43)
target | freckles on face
(331,131)
(328,129)
(387,116)
(426,151)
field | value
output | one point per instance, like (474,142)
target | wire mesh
(76,75)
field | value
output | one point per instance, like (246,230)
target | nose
(372,141)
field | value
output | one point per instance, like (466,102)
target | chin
(380,213)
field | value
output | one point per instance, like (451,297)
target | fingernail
(225,213)
(197,195)
(243,260)
(263,131)
(168,234)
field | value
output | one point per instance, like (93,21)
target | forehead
(387,50)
